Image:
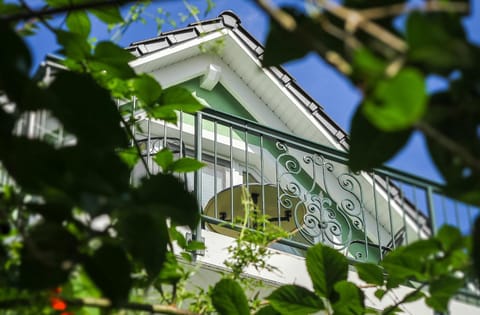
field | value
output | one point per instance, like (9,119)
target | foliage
(53,257)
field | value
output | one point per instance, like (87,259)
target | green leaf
(185,165)
(442,290)
(171,272)
(370,146)
(351,301)
(145,234)
(437,42)
(267,310)
(326,267)
(48,256)
(111,61)
(75,46)
(397,103)
(367,67)
(164,159)
(146,88)
(380,293)
(108,15)
(100,127)
(179,98)
(78,22)
(450,237)
(476,247)
(228,298)
(110,269)
(370,273)
(167,195)
(17,56)
(295,300)
(129,156)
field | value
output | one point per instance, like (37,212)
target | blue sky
(337,96)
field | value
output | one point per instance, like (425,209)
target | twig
(40,18)
(391,308)
(135,143)
(288,23)
(61,10)
(104,304)
(449,144)
(402,8)
(357,20)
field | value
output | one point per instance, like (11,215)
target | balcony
(303,187)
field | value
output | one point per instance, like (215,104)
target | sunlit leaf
(187,164)
(370,146)
(397,103)
(108,15)
(326,267)
(295,300)
(228,298)
(78,22)
(351,299)
(370,273)
(164,159)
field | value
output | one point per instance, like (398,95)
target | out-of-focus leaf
(17,56)
(164,159)
(267,310)
(370,146)
(92,117)
(442,290)
(146,88)
(326,267)
(476,247)
(283,46)
(179,98)
(295,300)
(48,256)
(75,46)
(450,237)
(367,67)
(165,194)
(129,156)
(110,269)
(228,298)
(171,272)
(109,15)
(397,103)
(78,22)
(187,164)
(111,61)
(144,231)
(370,273)
(437,41)
(351,300)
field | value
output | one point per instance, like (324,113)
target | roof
(228,20)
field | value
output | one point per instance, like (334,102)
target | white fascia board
(161,58)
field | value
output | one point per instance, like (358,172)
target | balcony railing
(304,187)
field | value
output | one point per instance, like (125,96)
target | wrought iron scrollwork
(327,206)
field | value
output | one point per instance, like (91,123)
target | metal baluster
(246,158)
(392,234)
(404,213)
(231,173)
(215,200)
(376,216)
(197,234)
(261,177)
(431,210)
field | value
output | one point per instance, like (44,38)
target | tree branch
(135,143)
(288,23)
(101,303)
(402,8)
(357,20)
(49,11)
(450,145)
